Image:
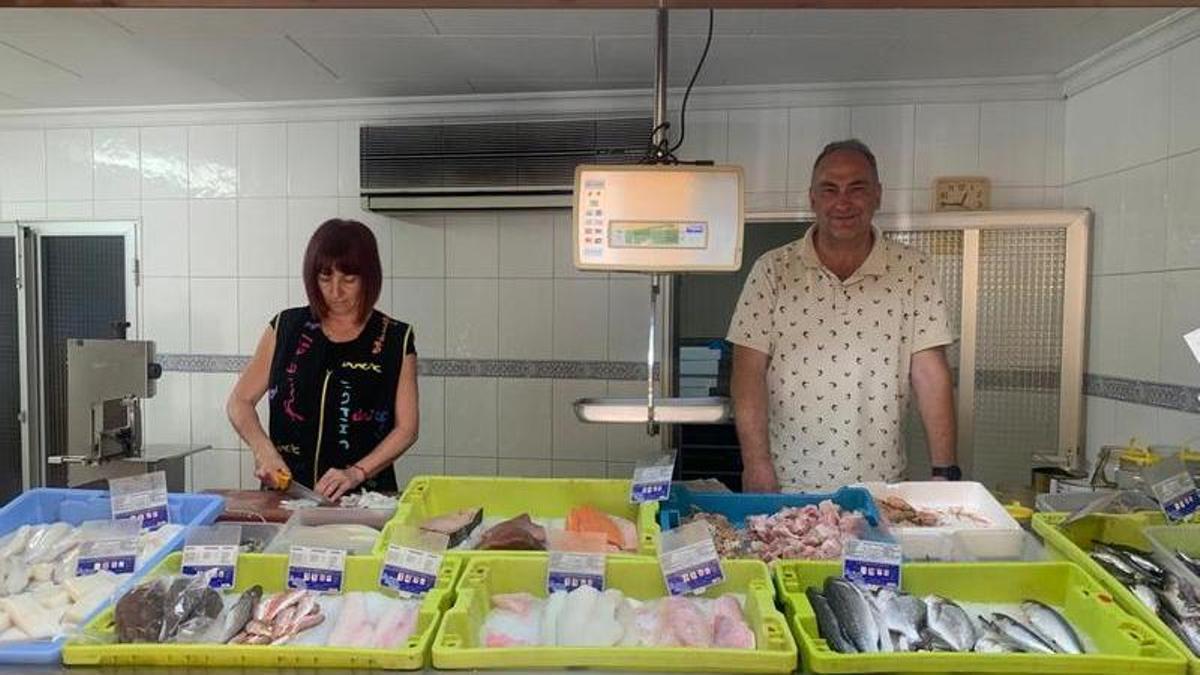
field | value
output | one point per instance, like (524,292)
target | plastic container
(296,529)
(1126,645)
(1074,541)
(457,643)
(429,496)
(1069,502)
(737,506)
(1000,537)
(51,505)
(258,536)
(270,572)
(1167,539)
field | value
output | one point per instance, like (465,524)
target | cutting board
(252,506)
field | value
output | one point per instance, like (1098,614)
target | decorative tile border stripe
(1157,394)
(505,368)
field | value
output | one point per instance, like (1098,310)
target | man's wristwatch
(951,472)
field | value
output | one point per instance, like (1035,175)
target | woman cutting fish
(341,376)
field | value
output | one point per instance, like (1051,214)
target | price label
(141,498)
(873,563)
(1177,496)
(118,556)
(316,569)
(568,571)
(652,480)
(221,559)
(410,572)
(688,559)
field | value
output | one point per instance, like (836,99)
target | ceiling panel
(151,56)
(428,58)
(272,21)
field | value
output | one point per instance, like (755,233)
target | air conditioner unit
(491,165)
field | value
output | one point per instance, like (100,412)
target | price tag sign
(1172,485)
(873,563)
(109,545)
(213,550)
(568,571)
(413,559)
(688,559)
(141,498)
(118,556)
(652,480)
(220,558)
(1177,496)
(410,572)
(316,569)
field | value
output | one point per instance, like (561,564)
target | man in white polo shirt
(828,334)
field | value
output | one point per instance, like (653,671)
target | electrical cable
(691,83)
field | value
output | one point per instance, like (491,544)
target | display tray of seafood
(973,617)
(948,520)
(1146,565)
(171,619)
(778,526)
(526,515)
(504,618)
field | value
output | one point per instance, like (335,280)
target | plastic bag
(168,609)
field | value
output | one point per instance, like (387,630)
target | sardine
(1139,559)
(1192,564)
(827,623)
(1179,597)
(1147,595)
(1053,626)
(239,614)
(853,612)
(950,623)
(1019,634)
(1188,629)
(1117,566)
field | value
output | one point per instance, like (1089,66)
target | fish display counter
(1144,563)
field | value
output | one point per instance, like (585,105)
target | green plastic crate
(429,496)
(457,643)
(1127,645)
(1075,541)
(270,572)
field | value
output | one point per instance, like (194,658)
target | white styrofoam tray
(1000,538)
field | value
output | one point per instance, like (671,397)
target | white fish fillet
(551,617)
(351,622)
(29,617)
(575,625)
(396,625)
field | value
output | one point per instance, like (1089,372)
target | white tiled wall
(227,209)
(1132,154)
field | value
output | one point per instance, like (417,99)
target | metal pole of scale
(660,284)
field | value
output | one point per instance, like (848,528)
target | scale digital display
(648,218)
(625,234)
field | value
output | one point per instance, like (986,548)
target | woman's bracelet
(360,470)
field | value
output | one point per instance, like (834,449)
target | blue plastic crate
(736,506)
(50,505)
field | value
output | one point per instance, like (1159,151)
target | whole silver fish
(1019,634)
(239,614)
(1140,560)
(1180,597)
(1053,626)
(1192,563)
(1188,630)
(827,623)
(991,644)
(1118,566)
(902,613)
(853,612)
(950,623)
(1147,595)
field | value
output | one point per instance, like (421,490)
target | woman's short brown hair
(349,247)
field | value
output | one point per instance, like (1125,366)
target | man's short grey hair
(849,145)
